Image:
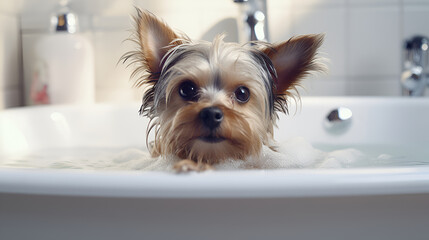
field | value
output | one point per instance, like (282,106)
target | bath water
(294,153)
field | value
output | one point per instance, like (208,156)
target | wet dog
(212,101)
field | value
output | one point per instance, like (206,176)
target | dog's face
(213,101)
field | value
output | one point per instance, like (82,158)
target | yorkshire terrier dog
(209,102)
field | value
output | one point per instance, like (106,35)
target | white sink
(310,202)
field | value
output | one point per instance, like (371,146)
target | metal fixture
(338,120)
(253,20)
(64,20)
(415,75)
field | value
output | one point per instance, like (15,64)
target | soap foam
(294,153)
(297,153)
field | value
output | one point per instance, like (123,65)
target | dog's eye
(242,94)
(188,91)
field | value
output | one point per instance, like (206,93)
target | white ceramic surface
(389,202)
(394,122)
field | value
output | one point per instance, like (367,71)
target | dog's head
(213,101)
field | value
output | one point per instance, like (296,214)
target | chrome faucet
(253,23)
(415,74)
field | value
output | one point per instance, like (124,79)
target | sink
(386,196)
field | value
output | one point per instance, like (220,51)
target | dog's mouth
(212,139)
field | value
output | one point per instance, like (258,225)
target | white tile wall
(416,20)
(373,2)
(10,61)
(363,37)
(279,20)
(318,3)
(112,75)
(10,7)
(374,34)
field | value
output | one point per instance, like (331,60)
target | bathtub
(389,201)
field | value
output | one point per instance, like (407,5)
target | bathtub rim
(277,183)
(272,183)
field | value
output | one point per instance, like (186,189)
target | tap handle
(416,51)
(417,43)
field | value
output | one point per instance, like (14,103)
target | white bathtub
(389,201)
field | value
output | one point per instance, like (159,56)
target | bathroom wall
(363,41)
(10,55)
(363,38)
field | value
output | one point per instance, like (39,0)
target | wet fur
(164,59)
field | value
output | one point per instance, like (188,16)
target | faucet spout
(415,74)
(253,24)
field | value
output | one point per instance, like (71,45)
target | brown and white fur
(209,102)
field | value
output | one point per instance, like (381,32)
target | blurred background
(364,39)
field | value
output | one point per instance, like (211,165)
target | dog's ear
(155,39)
(294,59)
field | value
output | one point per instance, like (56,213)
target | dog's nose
(211,117)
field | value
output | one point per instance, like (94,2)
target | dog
(212,101)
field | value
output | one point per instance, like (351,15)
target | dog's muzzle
(211,117)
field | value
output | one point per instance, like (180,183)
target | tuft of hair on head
(293,60)
(154,40)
